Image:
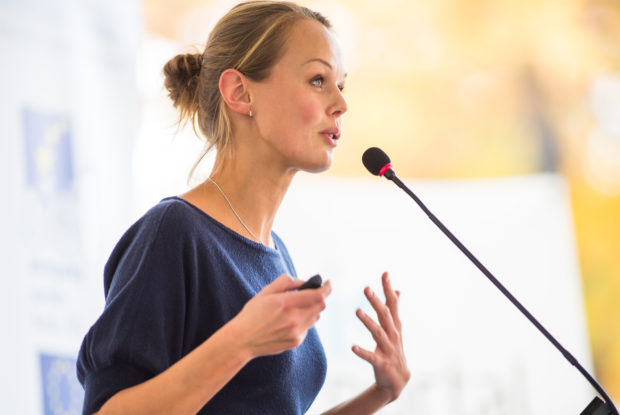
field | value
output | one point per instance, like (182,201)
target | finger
(383,313)
(312,316)
(390,296)
(307,317)
(364,354)
(377,332)
(281,284)
(391,300)
(326,288)
(308,298)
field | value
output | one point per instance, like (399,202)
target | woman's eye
(318,81)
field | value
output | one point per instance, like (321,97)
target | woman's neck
(247,196)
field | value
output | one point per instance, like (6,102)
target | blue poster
(49,158)
(62,393)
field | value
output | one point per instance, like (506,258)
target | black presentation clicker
(313,282)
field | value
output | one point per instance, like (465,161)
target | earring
(250,114)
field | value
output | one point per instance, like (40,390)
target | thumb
(281,284)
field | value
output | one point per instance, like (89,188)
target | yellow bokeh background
(480,88)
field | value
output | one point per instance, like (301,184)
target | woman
(202,309)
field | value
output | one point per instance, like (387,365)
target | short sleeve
(140,332)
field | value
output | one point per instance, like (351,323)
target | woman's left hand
(388,359)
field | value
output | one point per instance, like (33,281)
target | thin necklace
(234,211)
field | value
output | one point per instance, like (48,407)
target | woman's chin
(319,166)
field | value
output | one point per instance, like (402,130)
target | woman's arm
(188,384)
(276,319)
(367,402)
(388,359)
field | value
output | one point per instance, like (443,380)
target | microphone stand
(597,406)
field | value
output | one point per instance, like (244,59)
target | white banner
(470,351)
(69,109)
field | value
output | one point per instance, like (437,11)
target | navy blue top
(174,278)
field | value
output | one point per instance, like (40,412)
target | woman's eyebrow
(324,62)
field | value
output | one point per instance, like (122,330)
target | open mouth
(331,138)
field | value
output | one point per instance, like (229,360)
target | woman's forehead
(309,41)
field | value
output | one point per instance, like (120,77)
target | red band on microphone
(384,169)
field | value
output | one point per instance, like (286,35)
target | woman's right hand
(279,317)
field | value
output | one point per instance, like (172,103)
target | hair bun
(181,80)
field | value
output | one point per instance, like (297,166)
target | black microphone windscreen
(375,159)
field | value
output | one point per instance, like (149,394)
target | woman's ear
(234,89)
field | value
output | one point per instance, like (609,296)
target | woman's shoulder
(169,221)
(166,230)
(171,214)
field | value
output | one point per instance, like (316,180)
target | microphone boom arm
(596,407)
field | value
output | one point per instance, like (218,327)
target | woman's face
(298,109)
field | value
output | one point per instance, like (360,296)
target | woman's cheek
(311,112)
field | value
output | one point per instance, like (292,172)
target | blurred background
(453,90)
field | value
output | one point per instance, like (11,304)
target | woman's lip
(334,131)
(331,141)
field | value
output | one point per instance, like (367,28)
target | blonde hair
(249,38)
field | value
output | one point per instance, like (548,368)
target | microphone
(378,163)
